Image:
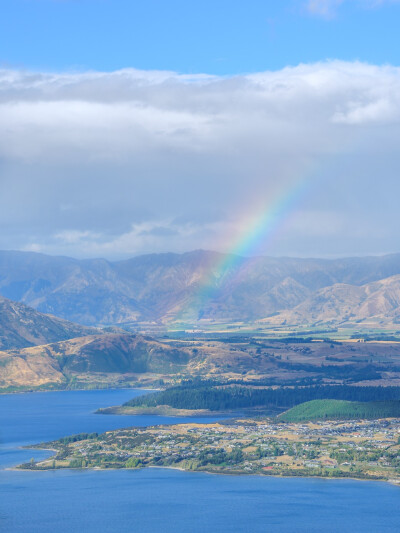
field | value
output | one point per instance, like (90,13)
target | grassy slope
(340,409)
(92,358)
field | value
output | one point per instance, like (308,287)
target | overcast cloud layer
(116,164)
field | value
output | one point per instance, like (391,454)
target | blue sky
(132,127)
(212,36)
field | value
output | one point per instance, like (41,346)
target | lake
(161,500)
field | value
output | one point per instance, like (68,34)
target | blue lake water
(159,500)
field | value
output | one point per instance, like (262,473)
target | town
(356,449)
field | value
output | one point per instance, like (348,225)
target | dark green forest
(219,398)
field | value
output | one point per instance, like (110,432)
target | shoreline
(211,473)
(32,391)
(163,410)
(395,483)
(166,410)
(17,467)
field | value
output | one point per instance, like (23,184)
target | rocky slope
(22,326)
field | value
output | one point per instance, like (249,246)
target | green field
(341,410)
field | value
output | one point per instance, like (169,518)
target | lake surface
(160,500)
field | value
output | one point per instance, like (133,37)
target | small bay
(162,500)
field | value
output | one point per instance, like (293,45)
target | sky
(131,127)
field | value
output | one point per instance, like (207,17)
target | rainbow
(257,230)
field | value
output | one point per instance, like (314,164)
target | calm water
(156,500)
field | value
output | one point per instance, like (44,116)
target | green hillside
(341,409)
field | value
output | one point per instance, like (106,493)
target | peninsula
(363,449)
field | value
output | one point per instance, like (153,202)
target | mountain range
(163,288)
(39,350)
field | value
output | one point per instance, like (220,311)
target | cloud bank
(115,164)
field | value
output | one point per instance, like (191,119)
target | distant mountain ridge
(166,287)
(378,301)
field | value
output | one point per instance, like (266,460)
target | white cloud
(324,8)
(125,162)
(74,237)
(328,8)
